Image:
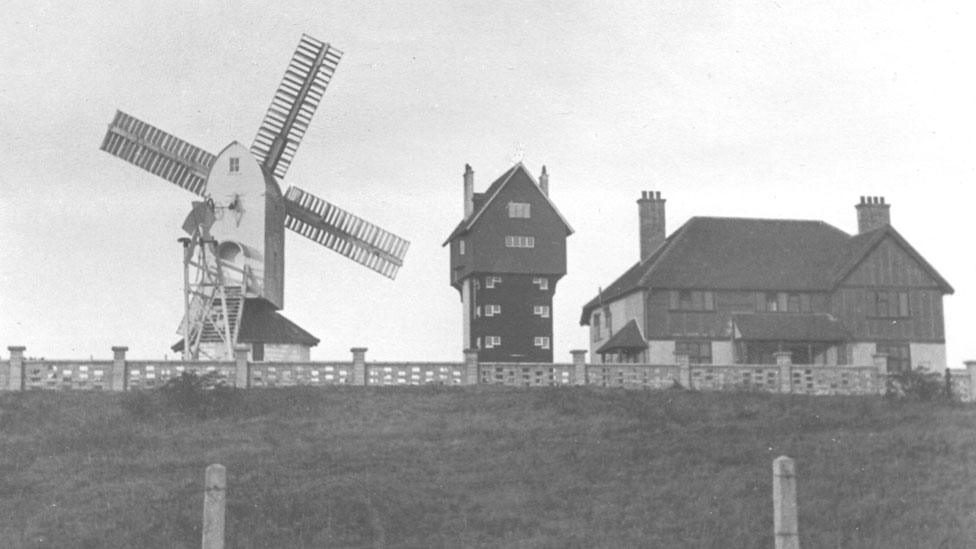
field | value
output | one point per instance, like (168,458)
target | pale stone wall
(660,352)
(862,352)
(928,356)
(723,352)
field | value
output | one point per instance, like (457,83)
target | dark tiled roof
(482,200)
(719,253)
(789,327)
(629,337)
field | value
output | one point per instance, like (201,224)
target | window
(595,327)
(608,321)
(699,352)
(492,341)
(692,300)
(477,311)
(492,310)
(542,283)
(461,247)
(520,242)
(542,342)
(783,302)
(899,356)
(477,343)
(491,281)
(257,352)
(541,310)
(519,209)
(888,304)
(235,164)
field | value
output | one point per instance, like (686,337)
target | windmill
(234,256)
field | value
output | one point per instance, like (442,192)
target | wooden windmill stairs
(234,256)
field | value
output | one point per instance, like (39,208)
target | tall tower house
(507,255)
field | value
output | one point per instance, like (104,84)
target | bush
(917,384)
(202,396)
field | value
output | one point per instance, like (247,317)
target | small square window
(541,310)
(542,283)
(492,310)
(519,209)
(542,342)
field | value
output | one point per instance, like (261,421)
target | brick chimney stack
(468,191)
(650,208)
(544,181)
(872,213)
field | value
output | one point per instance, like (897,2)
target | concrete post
(970,369)
(880,361)
(214,499)
(471,376)
(119,381)
(16,380)
(785,528)
(242,377)
(359,365)
(784,359)
(579,366)
(683,360)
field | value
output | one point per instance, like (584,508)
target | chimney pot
(872,213)
(544,181)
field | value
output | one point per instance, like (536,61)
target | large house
(507,255)
(740,291)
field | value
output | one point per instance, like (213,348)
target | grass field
(486,467)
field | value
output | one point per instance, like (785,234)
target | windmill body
(234,254)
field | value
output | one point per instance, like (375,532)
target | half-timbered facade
(507,255)
(731,290)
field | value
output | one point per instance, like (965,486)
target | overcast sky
(773,109)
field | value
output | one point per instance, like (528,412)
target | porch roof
(789,327)
(627,339)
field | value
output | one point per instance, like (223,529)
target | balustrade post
(683,360)
(579,366)
(16,380)
(471,376)
(119,381)
(242,367)
(784,359)
(359,365)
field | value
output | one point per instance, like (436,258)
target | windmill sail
(344,232)
(158,152)
(306,78)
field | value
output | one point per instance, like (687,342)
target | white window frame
(520,209)
(542,342)
(492,280)
(493,341)
(516,241)
(461,247)
(235,164)
(493,309)
(541,282)
(541,310)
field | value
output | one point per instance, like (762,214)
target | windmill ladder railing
(121,374)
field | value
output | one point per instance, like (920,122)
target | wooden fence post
(784,359)
(242,374)
(785,528)
(579,366)
(683,360)
(118,368)
(359,376)
(471,367)
(16,380)
(214,499)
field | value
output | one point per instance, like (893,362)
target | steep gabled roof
(717,253)
(628,338)
(483,200)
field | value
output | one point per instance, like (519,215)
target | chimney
(872,213)
(468,191)
(544,181)
(650,210)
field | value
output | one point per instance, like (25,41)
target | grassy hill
(485,467)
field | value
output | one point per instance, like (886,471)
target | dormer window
(235,164)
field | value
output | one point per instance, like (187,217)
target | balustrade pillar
(471,376)
(359,365)
(579,366)
(784,359)
(16,380)
(119,381)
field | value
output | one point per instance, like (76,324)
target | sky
(773,109)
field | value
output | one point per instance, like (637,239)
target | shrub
(202,396)
(917,384)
